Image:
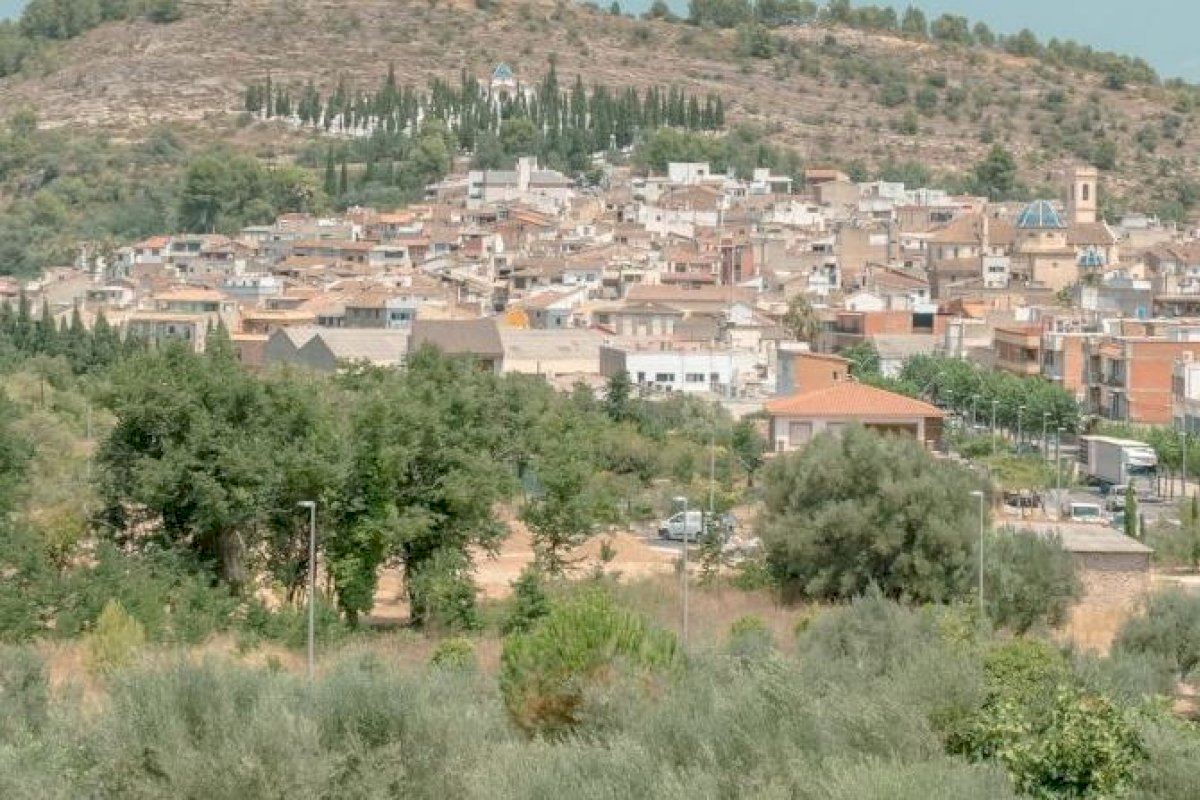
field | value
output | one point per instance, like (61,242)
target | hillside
(832,93)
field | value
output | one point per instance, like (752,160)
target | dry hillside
(821,95)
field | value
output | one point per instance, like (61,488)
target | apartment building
(1129,377)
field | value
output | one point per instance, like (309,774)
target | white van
(687,525)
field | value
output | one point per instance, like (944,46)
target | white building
(674,370)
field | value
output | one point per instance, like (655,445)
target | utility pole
(980,495)
(683,501)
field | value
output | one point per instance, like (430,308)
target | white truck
(1115,462)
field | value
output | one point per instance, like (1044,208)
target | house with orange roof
(795,420)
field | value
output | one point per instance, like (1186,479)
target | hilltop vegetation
(870,88)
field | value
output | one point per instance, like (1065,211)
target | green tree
(1029,581)
(618,397)
(801,320)
(1132,528)
(864,359)
(563,515)
(914,23)
(858,509)
(996,175)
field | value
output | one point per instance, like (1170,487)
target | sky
(1160,31)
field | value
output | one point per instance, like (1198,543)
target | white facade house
(683,371)
(687,173)
(525,183)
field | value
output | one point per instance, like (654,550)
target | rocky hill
(834,94)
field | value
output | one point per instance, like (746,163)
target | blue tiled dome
(503,72)
(1091,257)
(1039,215)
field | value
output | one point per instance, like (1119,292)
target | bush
(750,638)
(456,653)
(115,640)
(856,510)
(546,673)
(529,602)
(23,696)
(1054,738)
(443,593)
(1167,628)
(1029,581)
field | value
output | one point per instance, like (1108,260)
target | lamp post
(1045,440)
(979,494)
(1020,420)
(995,405)
(311,505)
(1058,472)
(1183,461)
(682,502)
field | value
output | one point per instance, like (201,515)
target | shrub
(443,593)
(1168,628)
(529,602)
(116,638)
(750,638)
(1054,738)
(546,672)
(457,653)
(23,696)
(1029,581)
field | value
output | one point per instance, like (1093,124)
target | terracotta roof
(851,401)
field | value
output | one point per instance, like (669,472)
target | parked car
(1086,512)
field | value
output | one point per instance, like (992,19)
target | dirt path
(633,556)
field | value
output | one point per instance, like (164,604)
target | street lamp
(1183,460)
(995,405)
(682,502)
(979,494)
(311,505)
(1058,472)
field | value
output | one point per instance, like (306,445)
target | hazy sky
(1161,31)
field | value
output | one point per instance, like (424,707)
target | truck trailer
(1110,461)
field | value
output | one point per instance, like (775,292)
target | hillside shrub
(24,700)
(115,640)
(546,673)
(1168,628)
(456,653)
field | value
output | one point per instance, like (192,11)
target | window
(714,377)
(641,377)
(695,377)
(664,377)
(1086,191)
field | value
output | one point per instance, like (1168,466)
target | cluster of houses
(683,281)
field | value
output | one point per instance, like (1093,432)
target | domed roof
(1039,215)
(1091,257)
(502,72)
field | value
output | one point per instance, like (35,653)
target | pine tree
(330,174)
